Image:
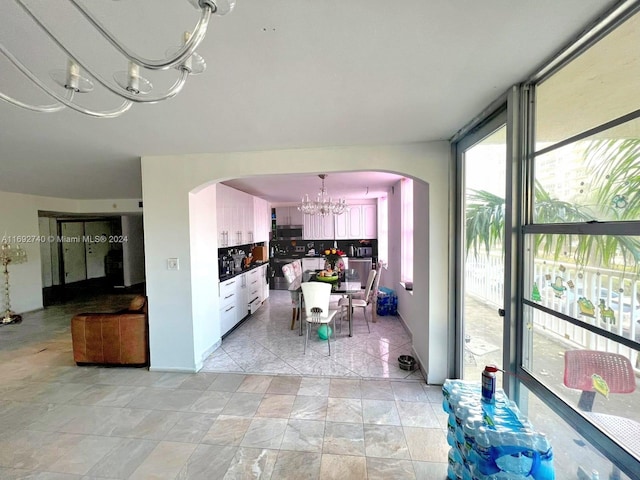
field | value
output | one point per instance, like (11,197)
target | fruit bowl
(333,278)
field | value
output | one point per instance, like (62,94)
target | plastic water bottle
(454,469)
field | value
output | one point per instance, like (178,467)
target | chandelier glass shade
(10,254)
(323,205)
(79,76)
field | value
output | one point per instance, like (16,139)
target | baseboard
(423,372)
(206,354)
(172,370)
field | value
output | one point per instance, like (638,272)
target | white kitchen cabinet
(242,218)
(228,301)
(358,222)
(341,228)
(254,289)
(354,221)
(233,301)
(240,296)
(289,216)
(370,221)
(242,301)
(242,221)
(247,233)
(227,318)
(222,215)
(265,285)
(261,219)
(316,227)
(229,210)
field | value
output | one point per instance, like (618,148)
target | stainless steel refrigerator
(363,266)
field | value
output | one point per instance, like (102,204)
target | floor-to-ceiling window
(580,306)
(571,215)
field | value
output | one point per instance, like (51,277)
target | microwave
(289,232)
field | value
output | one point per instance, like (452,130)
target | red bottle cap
(491,368)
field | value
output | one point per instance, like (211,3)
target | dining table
(347,286)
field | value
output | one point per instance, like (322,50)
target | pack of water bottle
(492,440)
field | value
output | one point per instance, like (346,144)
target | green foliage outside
(614,167)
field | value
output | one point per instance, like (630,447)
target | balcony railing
(608,299)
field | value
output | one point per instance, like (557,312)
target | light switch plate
(173,264)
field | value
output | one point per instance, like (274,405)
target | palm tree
(484,220)
(616,172)
(617,184)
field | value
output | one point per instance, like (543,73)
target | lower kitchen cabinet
(254,289)
(230,293)
(228,318)
(241,296)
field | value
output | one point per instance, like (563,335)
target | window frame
(600,440)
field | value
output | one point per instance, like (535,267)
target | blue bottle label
(488,387)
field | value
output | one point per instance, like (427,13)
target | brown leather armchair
(119,338)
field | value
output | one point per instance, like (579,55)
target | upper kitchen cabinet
(358,222)
(369,221)
(317,227)
(262,220)
(289,216)
(224,214)
(242,218)
(246,232)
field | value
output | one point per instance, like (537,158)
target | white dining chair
(290,276)
(316,306)
(360,302)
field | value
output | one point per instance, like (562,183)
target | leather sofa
(119,338)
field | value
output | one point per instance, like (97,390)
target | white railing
(614,306)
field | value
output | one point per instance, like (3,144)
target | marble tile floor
(265,344)
(63,422)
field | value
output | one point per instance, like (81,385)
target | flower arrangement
(333,258)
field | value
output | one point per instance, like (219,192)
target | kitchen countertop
(293,255)
(253,266)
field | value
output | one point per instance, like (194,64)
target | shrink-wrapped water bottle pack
(490,438)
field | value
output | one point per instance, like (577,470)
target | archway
(180,223)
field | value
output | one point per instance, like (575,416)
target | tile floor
(264,343)
(63,422)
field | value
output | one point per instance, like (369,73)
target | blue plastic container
(387,302)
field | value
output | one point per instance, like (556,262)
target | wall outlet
(173,264)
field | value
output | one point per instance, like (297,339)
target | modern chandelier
(323,205)
(129,85)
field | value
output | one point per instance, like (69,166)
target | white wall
(204,260)
(19,217)
(133,249)
(173,298)
(428,334)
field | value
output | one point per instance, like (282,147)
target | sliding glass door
(482,165)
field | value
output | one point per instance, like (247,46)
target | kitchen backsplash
(302,247)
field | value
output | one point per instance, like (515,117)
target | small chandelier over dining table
(323,205)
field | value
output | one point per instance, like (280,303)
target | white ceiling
(281,74)
(288,188)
